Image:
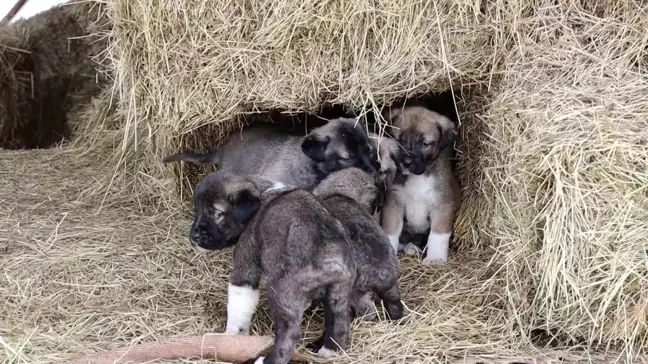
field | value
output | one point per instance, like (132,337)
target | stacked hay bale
(553,158)
(187,72)
(561,195)
(45,69)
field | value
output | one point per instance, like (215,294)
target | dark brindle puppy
(349,195)
(429,196)
(304,252)
(298,161)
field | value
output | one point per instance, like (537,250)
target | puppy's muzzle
(207,235)
(412,163)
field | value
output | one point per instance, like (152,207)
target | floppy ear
(246,203)
(447,133)
(315,146)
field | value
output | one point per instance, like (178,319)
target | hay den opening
(210,136)
(548,259)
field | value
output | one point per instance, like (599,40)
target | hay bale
(552,160)
(180,66)
(560,175)
(45,69)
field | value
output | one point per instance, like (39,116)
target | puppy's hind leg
(286,307)
(337,319)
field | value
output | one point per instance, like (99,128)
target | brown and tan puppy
(426,202)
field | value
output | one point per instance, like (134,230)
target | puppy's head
(353,183)
(422,134)
(341,143)
(223,204)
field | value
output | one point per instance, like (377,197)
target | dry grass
(561,195)
(551,259)
(82,273)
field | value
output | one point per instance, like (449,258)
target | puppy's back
(295,230)
(370,247)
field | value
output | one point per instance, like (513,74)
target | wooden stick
(228,348)
(16,8)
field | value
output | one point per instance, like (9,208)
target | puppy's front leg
(438,241)
(242,297)
(242,301)
(391,219)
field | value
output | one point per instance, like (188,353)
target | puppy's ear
(447,133)
(246,202)
(314,146)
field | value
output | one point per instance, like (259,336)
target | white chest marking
(418,194)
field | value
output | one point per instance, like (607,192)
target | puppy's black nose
(195,234)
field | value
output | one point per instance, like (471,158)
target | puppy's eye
(218,213)
(427,143)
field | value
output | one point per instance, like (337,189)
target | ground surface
(84,271)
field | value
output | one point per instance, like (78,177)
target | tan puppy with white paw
(428,197)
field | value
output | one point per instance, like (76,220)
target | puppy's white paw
(326,353)
(411,249)
(393,240)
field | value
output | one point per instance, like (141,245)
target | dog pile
(299,211)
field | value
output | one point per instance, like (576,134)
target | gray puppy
(297,161)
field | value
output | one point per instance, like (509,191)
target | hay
(560,196)
(45,69)
(553,161)
(82,274)
(180,66)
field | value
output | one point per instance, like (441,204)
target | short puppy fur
(305,254)
(427,201)
(288,236)
(349,196)
(299,161)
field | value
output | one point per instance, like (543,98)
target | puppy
(430,195)
(387,150)
(305,254)
(348,195)
(268,152)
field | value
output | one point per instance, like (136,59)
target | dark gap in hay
(551,338)
(210,136)
(45,70)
